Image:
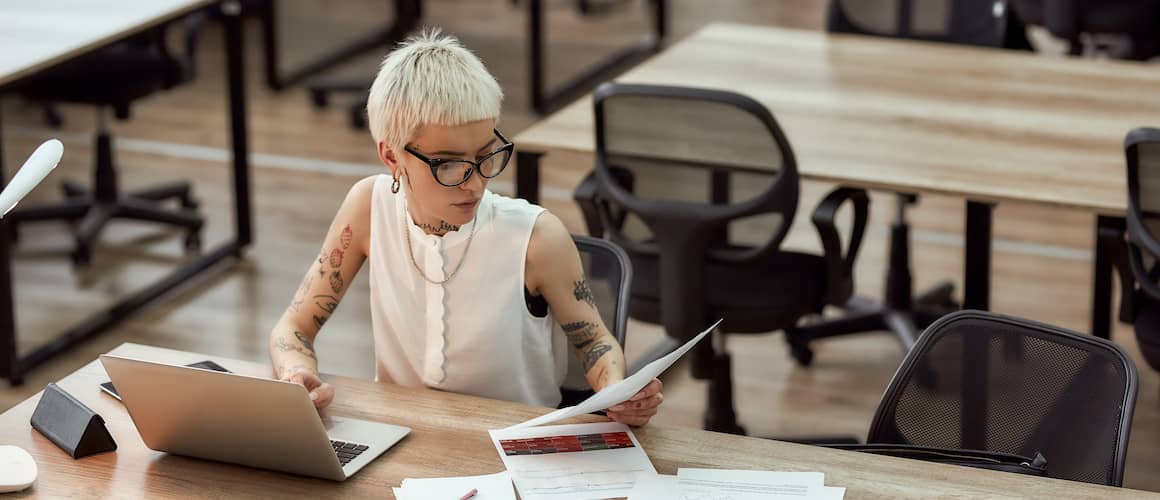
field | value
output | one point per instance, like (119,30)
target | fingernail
(314,396)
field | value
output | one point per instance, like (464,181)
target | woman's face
(432,203)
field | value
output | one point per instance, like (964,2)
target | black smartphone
(205,365)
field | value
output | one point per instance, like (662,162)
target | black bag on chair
(1004,462)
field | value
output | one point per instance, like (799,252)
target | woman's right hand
(321,393)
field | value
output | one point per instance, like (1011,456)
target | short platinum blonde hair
(430,79)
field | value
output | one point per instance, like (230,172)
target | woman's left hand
(641,407)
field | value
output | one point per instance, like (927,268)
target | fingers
(323,395)
(653,387)
(634,418)
(641,404)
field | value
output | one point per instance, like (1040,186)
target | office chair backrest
(693,169)
(967,22)
(983,381)
(1142,152)
(609,274)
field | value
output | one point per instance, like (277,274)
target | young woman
(465,284)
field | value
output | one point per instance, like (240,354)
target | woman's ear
(387,156)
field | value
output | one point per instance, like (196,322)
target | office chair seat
(102,80)
(760,306)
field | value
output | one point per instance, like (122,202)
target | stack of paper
(573,462)
(709,484)
(490,487)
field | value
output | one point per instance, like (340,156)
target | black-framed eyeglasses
(452,172)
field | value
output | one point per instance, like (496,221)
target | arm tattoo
(307,343)
(321,263)
(327,303)
(580,333)
(336,282)
(582,292)
(320,320)
(336,258)
(347,236)
(284,346)
(594,354)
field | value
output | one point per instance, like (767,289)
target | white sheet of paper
(496,486)
(659,487)
(34,170)
(620,391)
(711,484)
(574,475)
(399,493)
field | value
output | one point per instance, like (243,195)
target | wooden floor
(305,159)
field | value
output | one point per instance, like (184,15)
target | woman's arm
(554,270)
(343,252)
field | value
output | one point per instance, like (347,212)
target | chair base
(90,214)
(865,316)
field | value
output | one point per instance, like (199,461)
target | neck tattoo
(440,230)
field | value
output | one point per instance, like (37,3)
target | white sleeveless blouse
(472,334)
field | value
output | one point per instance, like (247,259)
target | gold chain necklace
(411,252)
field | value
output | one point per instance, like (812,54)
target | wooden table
(36,35)
(982,124)
(450,438)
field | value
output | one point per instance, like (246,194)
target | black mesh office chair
(700,187)
(1065,395)
(1137,20)
(113,78)
(1142,149)
(609,274)
(966,22)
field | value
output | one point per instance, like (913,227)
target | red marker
(469,494)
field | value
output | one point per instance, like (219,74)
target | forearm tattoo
(328,263)
(307,347)
(582,292)
(580,334)
(594,354)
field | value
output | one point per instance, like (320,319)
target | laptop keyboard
(347,451)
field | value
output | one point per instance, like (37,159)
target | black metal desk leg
(528,176)
(977,256)
(544,100)
(9,356)
(235,80)
(1108,230)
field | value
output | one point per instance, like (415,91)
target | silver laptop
(244,420)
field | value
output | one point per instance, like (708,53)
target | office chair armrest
(839,264)
(596,208)
(586,196)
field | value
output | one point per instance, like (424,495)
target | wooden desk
(449,437)
(36,35)
(982,124)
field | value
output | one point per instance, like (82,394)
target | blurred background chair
(1082,22)
(1068,396)
(1141,289)
(968,22)
(700,188)
(112,79)
(609,274)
